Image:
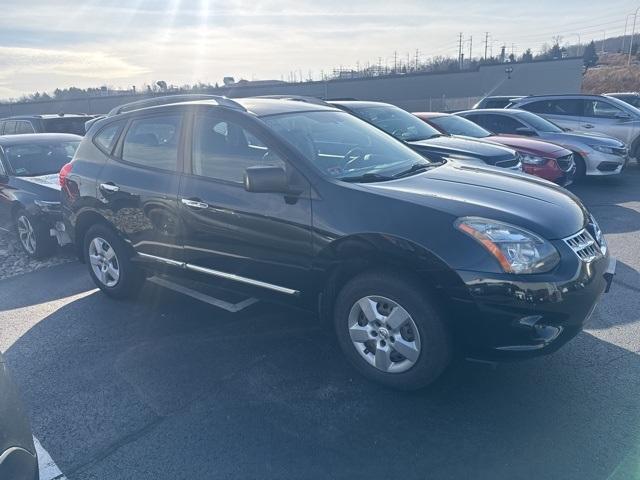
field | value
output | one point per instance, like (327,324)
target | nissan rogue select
(410,259)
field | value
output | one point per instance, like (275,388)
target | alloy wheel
(384,334)
(104,262)
(26,234)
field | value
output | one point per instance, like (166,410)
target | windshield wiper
(415,168)
(367,177)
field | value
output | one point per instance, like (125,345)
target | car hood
(461,190)
(488,152)
(572,138)
(529,145)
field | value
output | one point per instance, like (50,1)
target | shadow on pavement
(55,283)
(168,388)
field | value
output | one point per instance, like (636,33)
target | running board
(216,302)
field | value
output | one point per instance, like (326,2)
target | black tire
(581,167)
(42,244)
(436,349)
(130,277)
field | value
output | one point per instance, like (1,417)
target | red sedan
(543,159)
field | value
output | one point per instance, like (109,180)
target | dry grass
(612,75)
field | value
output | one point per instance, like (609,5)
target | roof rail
(170,99)
(297,98)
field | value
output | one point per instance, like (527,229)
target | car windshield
(398,122)
(538,123)
(32,159)
(460,126)
(73,125)
(342,146)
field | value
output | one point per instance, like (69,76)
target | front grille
(565,163)
(584,246)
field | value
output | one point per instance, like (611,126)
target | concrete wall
(422,91)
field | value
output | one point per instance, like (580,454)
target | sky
(48,44)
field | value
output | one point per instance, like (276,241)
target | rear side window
(105,139)
(569,107)
(496,103)
(9,127)
(498,123)
(153,142)
(24,126)
(73,125)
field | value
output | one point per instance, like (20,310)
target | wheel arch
(355,254)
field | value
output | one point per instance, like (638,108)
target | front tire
(110,265)
(392,331)
(581,167)
(33,235)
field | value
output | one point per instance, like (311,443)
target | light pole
(579,43)
(624,37)
(633,32)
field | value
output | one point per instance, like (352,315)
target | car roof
(359,103)
(47,116)
(28,138)
(431,114)
(508,111)
(560,95)
(273,106)
(502,97)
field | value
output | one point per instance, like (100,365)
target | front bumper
(599,164)
(502,317)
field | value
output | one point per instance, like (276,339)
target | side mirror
(266,180)
(526,131)
(622,116)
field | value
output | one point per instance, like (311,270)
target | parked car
(427,140)
(496,101)
(61,123)
(632,98)
(18,457)
(589,113)
(592,154)
(542,159)
(29,188)
(308,204)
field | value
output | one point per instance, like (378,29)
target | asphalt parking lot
(170,388)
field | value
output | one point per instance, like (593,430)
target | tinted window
(538,123)
(105,139)
(24,127)
(496,103)
(223,150)
(454,125)
(399,123)
(598,108)
(153,142)
(2,170)
(572,107)
(497,123)
(39,158)
(66,125)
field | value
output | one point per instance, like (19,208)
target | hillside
(612,75)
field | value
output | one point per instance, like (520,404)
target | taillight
(64,173)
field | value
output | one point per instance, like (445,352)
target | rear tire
(109,263)
(391,330)
(33,235)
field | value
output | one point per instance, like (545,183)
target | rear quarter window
(105,139)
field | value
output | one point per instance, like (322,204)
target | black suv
(306,203)
(60,123)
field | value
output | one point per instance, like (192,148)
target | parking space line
(48,468)
(216,302)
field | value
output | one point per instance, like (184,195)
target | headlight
(597,234)
(602,149)
(516,250)
(533,159)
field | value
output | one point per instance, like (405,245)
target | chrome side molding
(220,274)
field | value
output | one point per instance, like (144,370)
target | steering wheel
(357,153)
